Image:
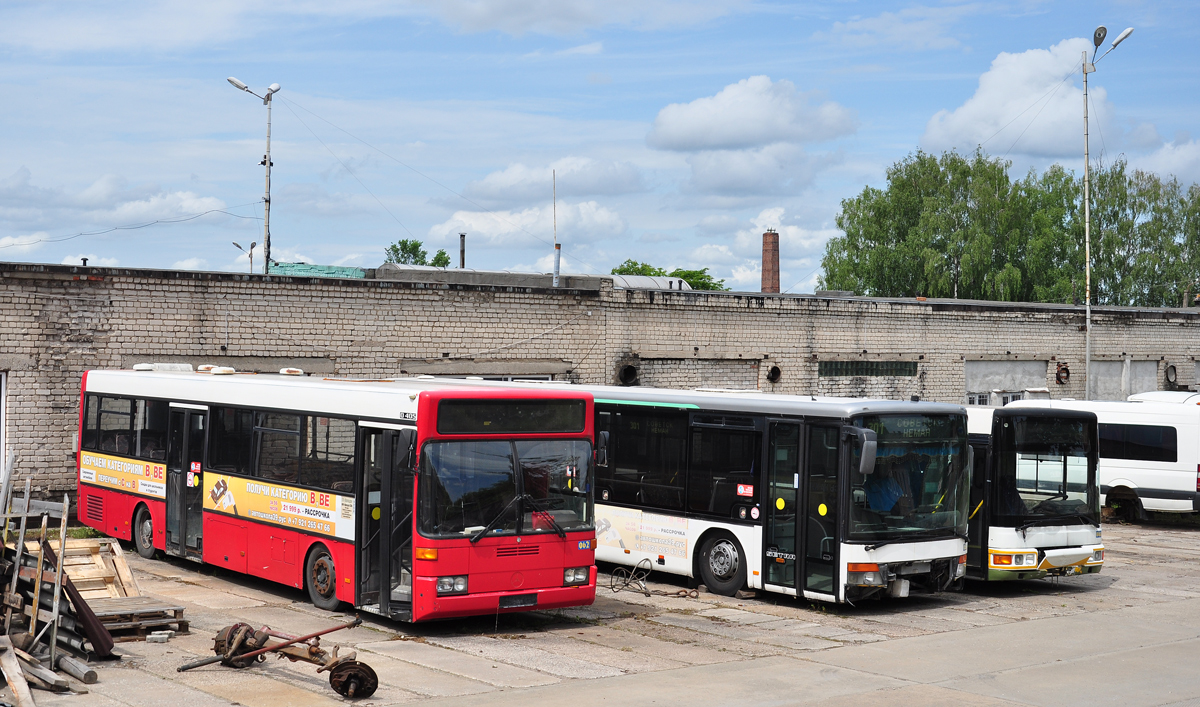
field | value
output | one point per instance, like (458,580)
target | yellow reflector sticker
(779,503)
(375,513)
(822,509)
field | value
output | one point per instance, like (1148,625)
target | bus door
(781,531)
(819,520)
(979,513)
(186,431)
(386,517)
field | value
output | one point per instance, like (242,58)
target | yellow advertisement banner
(287,506)
(639,531)
(128,475)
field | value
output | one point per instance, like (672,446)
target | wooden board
(131,618)
(97,566)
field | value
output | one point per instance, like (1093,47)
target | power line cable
(1035,115)
(347,168)
(426,176)
(132,227)
(1029,107)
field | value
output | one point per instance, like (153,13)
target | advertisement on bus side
(638,531)
(319,512)
(128,475)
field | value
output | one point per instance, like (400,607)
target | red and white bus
(410,498)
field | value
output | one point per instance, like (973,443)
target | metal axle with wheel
(240,646)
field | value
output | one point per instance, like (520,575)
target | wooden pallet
(97,566)
(132,618)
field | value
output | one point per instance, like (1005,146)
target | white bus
(832,499)
(1035,503)
(1149,452)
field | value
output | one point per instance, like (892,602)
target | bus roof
(749,401)
(380,399)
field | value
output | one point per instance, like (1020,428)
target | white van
(1149,450)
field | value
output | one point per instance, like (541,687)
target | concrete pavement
(1129,635)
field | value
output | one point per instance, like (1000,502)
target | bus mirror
(602,449)
(867,445)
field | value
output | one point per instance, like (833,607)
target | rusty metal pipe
(277,646)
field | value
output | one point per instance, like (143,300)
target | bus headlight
(1097,556)
(452,585)
(960,569)
(864,574)
(573,576)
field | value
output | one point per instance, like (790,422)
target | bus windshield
(918,487)
(1044,469)
(528,486)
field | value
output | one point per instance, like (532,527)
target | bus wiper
(499,516)
(537,506)
(1053,519)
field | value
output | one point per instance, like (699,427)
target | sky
(677,131)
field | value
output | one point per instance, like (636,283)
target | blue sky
(679,129)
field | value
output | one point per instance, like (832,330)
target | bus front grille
(516,550)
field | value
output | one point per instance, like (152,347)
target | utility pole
(266,161)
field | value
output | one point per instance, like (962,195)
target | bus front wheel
(143,532)
(321,580)
(722,564)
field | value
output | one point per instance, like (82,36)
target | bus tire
(722,563)
(321,579)
(143,532)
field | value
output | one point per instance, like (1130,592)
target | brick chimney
(770,261)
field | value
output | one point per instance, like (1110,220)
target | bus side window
(277,442)
(651,453)
(328,459)
(151,426)
(721,461)
(91,423)
(231,440)
(116,425)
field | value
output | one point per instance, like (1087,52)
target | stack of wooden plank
(98,568)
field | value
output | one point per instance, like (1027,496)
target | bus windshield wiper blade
(538,507)
(1085,520)
(499,516)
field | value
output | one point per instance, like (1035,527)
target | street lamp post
(1088,67)
(249,253)
(266,161)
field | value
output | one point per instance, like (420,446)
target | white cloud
(1000,115)
(11,245)
(913,28)
(593,48)
(93,261)
(775,169)
(1180,158)
(107,201)
(577,176)
(562,17)
(577,223)
(750,113)
(190,264)
(164,25)
(352,259)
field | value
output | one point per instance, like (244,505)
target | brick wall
(57,321)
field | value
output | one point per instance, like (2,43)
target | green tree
(959,226)
(406,252)
(698,279)
(633,267)
(440,259)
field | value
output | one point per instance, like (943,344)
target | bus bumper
(428,606)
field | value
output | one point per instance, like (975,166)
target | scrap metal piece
(353,679)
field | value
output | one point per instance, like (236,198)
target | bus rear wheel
(321,580)
(722,564)
(143,532)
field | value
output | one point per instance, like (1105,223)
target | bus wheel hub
(723,560)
